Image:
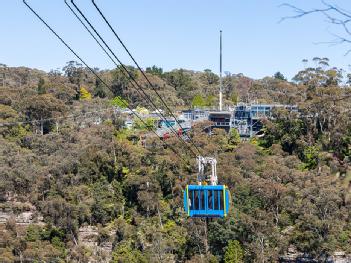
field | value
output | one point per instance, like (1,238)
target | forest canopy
(68,160)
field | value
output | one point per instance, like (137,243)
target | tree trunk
(114,156)
(159,216)
(74,238)
(206,238)
(41,126)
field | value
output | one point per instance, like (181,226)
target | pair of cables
(125,70)
(98,77)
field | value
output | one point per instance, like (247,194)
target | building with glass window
(247,118)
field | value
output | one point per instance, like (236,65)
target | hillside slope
(73,189)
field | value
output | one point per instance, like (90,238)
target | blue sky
(173,34)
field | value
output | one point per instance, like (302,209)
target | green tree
(234,139)
(181,81)
(119,102)
(13,133)
(286,130)
(74,72)
(318,76)
(41,89)
(210,77)
(33,233)
(121,80)
(43,107)
(99,89)
(198,101)
(311,156)
(280,76)
(148,123)
(234,252)
(154,70)
(234,97)
(210,100)
(123,253)
(59,245)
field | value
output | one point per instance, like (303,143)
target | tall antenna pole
(220,71)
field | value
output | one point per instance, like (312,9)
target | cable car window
(191,199)
(210,199)
(196,200)
(215,199)
(221,200)
(202,200)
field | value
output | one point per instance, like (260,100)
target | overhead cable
(142,72)
(97,76)
(131,77)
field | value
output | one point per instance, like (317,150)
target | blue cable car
(206,200)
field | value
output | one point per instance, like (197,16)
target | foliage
(41,87)
(74,72)
(289,187)
(119,102)
(43,107)
(234,253)
(154,70)
(198,101)
(142,110)
(210,77)
(181,81)
(84,94)
(311,156)
(100,89)
(211,100)
(285,130)
(280,76)
(234,139)
(147,124)
(124,253)
(234,98)
(319,76)
(121,79)
(104,206)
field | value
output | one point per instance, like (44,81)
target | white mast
(220,71)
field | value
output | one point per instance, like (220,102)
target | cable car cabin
(206,200)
